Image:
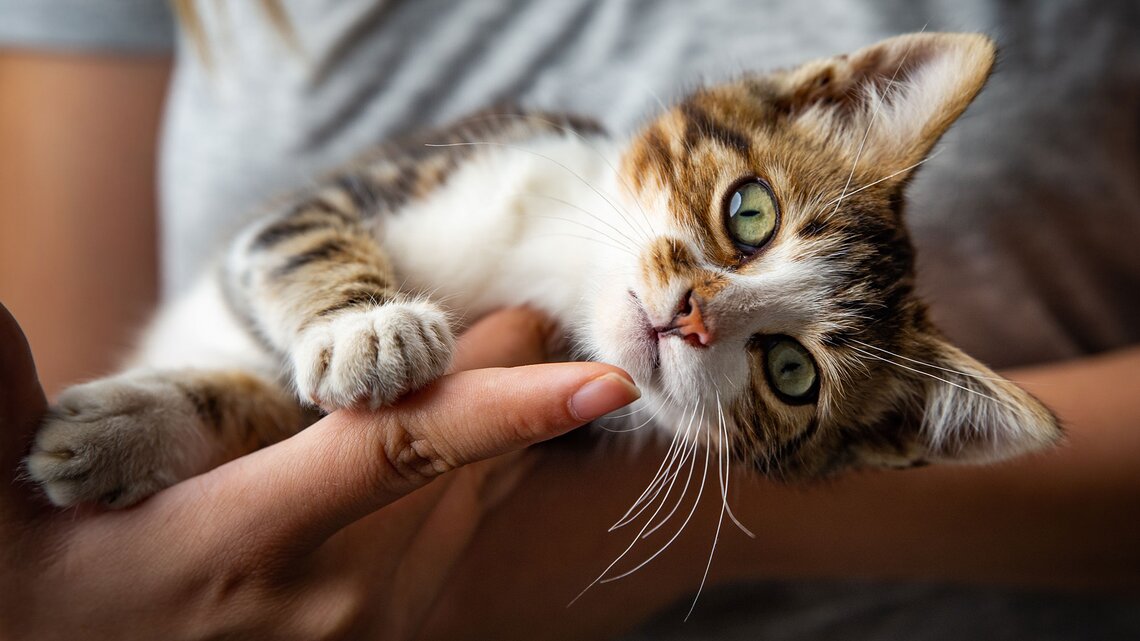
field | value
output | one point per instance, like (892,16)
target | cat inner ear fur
(889,103)
(969,414)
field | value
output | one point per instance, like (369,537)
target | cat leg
(199,391)
(120,439)
(315,284)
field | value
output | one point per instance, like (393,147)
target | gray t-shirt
(1025,222)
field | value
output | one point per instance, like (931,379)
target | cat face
(773,290)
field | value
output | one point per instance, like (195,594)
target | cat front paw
(370,358)
(115,441)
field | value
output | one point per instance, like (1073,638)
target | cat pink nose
(690,322)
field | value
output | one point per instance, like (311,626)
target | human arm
(77,202)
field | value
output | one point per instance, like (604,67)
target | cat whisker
(664,475)
(680,499)
(728,466)
(876,182)
(688,518)
(637,410)
(676,446)
(590,238)
(586,226)
(632,242)
(937,378)
(930,365)
(631,545)
(667,482)
(594,148)
(722,480)
(558,163)
(631,429)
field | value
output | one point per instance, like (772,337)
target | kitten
(745,260)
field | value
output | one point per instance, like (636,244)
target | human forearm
(1061,518)
(77,203)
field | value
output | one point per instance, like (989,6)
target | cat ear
(890,102)
(969,414)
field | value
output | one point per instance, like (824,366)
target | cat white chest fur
(530,225)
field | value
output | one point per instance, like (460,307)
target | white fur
(375,355)
(200,331)
(491,238)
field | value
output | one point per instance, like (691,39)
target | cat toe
(371,358)
(76,460)
(103,442)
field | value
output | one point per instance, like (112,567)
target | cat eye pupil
(791,370)
(750,215)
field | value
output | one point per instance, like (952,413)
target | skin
(491,550)
(77,176)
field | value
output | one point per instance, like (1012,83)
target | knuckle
(403,459)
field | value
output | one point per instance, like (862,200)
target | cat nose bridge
(666,259)
(706,284)
(669,260)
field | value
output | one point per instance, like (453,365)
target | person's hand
(316,537)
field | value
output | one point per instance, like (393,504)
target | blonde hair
(191,20)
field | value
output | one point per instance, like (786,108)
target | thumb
(352,463)
(22,405)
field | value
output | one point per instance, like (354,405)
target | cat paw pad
(372,357)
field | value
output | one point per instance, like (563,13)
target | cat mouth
(646,334)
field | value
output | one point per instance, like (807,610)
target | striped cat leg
(120,439)
(316,285)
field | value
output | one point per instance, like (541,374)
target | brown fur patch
(244,411)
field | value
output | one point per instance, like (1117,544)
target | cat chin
(617,332)
(636,354)
(695,376)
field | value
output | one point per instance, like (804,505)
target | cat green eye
(791,370)
(751,214)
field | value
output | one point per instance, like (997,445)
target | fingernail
(602,395)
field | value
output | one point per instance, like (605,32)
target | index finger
(351,463)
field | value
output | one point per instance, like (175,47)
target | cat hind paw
(112,441)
